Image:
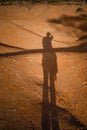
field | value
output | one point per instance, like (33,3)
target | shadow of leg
(45,104)
(53,110)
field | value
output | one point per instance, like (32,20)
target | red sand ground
(21,76)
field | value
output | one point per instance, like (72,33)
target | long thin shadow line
(37,33)
(75,49)
(10,46)
(26,29)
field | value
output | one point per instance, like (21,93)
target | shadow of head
(49,35)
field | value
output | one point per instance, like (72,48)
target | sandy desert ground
(31,98)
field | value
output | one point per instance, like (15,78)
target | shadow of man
(49,64)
